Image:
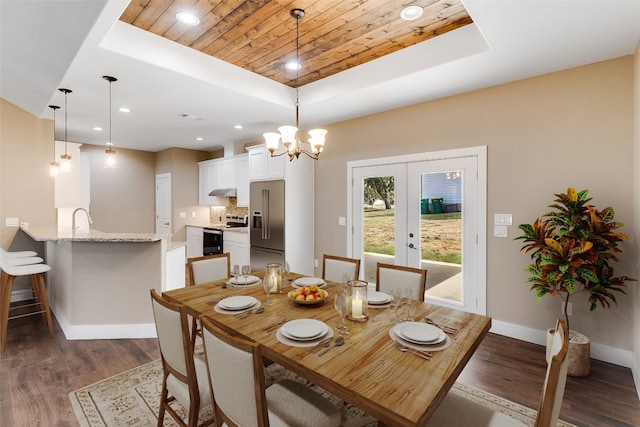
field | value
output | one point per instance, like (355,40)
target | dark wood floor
(37,373)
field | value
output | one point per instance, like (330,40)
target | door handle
(411,246)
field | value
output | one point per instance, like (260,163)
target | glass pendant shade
(317,140)
(110,158)
(288,136)
(65,162)
(272,139)
(54,168)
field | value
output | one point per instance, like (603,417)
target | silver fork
(424,354)
(445,328)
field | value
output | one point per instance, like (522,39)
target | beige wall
(183,166)
(122,199)
(26,190)
(544,134)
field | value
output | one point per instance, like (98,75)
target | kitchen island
(99,282)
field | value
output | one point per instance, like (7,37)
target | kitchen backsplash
(218,212)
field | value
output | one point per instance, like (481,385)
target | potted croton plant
(572,248)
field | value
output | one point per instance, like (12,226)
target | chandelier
(290,135)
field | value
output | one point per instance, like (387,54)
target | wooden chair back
(556,378)
(209,268)
(333,267)
(389,277)
(180,375)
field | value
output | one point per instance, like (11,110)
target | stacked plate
(241,280)
(236,304)
(309,281)
(304,332)
(375,298)
(419,336)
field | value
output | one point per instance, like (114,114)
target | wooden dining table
(368,371)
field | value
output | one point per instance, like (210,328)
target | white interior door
(163,204)
(401,232)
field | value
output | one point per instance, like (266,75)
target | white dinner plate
(419,333)
(240,280)
(304,329)
(308,281)
(429,347)
(378,298)
(237,302)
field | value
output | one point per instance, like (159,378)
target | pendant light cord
(298,66)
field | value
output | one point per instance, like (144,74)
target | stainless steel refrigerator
(266,223)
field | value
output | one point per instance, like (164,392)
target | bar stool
(23,266)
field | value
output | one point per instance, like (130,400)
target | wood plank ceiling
(260,35)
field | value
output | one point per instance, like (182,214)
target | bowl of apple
(308,295)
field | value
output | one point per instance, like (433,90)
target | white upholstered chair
(333,267)
(209,268)
(185,378)
(459,411)
(11,267)
(238,384)
(389,277)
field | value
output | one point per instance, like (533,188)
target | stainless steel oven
(212,241)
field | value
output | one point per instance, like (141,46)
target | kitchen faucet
(73,218)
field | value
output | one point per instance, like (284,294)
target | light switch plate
(183,214)
(342,220)
(500,231)
(11,222)
(502,219)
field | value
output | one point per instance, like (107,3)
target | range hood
(225,192)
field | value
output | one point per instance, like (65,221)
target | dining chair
(389,277)
(184,378)
(456,410)
(209,268)
(236,375)
(333,267)
(205,269)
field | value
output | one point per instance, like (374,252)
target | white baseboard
(101,332)
(601,352)
(635,371)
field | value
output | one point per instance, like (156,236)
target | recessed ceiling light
(411,12)
(187,18)
(293,65)
(238,126)
(199,138)
(97,128)
(124,110)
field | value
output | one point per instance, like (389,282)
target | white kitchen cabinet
(226,172)
(242,180)
(262,166)
(195,241)
(208,180)
(237,245)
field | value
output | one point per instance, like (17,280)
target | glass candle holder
(273,275)
(357,301)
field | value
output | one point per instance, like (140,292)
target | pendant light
(54,167)
(290,135)
(65,159)
(110,153)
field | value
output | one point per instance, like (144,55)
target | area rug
(132,398)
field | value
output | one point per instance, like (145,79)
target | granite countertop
(55,233)
(222,227)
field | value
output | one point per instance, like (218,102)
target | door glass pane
(441,213)
(379,233)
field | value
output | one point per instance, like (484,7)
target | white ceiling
(48,44)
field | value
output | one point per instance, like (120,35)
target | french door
(424,211)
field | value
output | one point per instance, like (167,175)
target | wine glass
(407,301)
(267,283)
(345,280)
(246,269)
(396,301)
(235,272)
(286,270)
(340,304)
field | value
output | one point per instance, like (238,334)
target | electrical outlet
(24,225)
(499,231)
(315,263)
(342,220)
